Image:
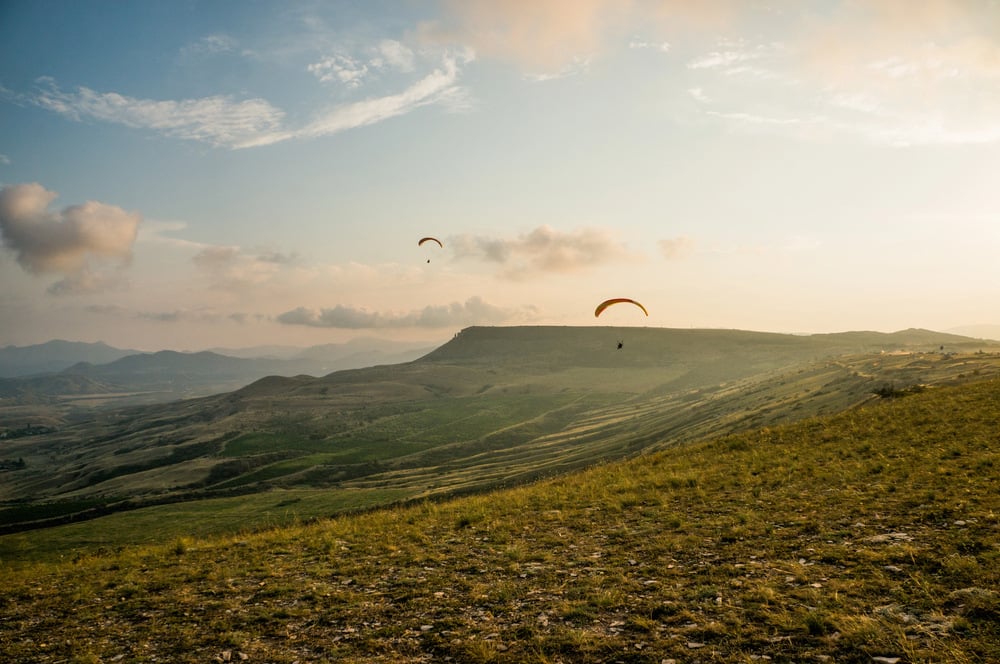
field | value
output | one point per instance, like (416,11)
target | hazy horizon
(225,174)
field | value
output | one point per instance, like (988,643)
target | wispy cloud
(209,45)
(394,54)
(438,87)
(474,311)
(892,73)
(699,95)
(4,160)
(642,44)
(549,36)
(540,36)
(218,120)
(353,70)
(339,68)
(231,268)
(578,65)
(171,316)
(225,122)
(544,249)
(154,231)
(73,242)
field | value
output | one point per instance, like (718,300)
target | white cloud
(218,120)
(154,231)
(339,68)
(474,311)
(890,73)
(637,43)
(224,122)
(578,65)
(396,55)
(721,60)
(209,45)
(73,242)
(438,87)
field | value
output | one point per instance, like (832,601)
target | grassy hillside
(495,407)
(869,536)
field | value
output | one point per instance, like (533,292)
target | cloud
(549,36)
(278,258)
(339,68)
(396,55)
(677,247)
(209,45)
(637,43)
(543,250)
(473,311)
(222,121)
(174,316)
(218,120)
(699,95)
(155,232)
(438,87)
(537,35)
(579,65)
(71,242)
(232,269)
(4,160)
(891,72)
(353,71)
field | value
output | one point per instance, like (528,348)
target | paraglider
(429,239)
(617,300)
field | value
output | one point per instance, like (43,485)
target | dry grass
(873,533)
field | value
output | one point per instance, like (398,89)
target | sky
(184,174)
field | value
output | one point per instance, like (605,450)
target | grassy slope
(872,533)
(321,452)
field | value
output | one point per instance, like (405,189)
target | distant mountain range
(60,369)
(53,356)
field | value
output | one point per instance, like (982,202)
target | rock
(889,537)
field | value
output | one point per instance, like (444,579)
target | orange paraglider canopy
(430,239)
(617,300)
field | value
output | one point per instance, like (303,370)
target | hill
(144,378)
(493,407)
(867,536)
(53,356)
